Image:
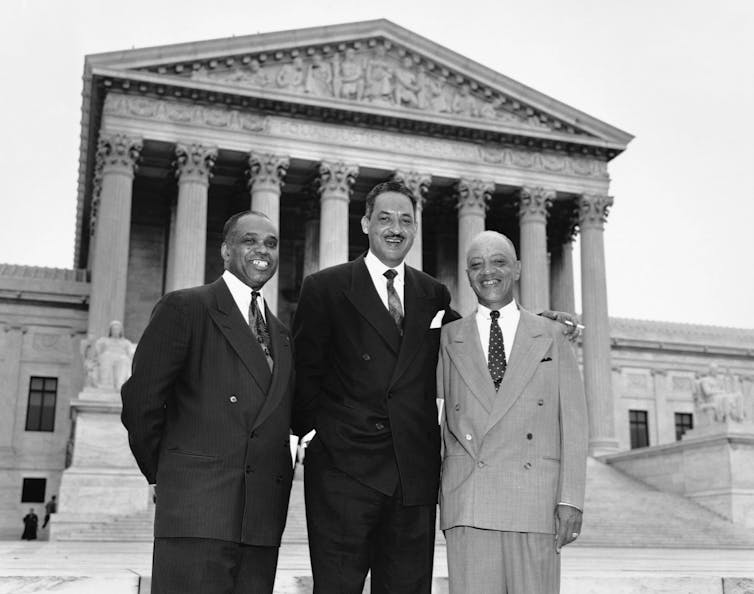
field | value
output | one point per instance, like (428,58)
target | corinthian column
(534,204)
(593,211)
(193,168)
(419,184)
(311,238)
(334,187)
(266,178)
(472,196)
(117,156)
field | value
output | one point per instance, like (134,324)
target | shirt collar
(239,288)
(508,310)
(377,268)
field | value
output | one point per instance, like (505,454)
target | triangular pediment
(375,67)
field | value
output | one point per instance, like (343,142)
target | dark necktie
(259,327)
(496,355)
(393,301)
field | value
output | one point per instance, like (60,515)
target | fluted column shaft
(193,166)
(419,184)
(334,186)
(266,178)
(473,196)
(561,278)
(311,239)
(117,155)
(532,215)
(592,216)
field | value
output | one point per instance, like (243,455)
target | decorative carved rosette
(336,179)
(534,204)
(119,151)
(473,196)
(267,171)
(593,210)
(417,182)
(194,162)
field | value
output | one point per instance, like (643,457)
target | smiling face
(391,227)
(492,268)
(250,250)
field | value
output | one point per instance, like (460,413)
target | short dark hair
(230,224)
(388,186)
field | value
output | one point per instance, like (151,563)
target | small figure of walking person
(31,521)
(51,507)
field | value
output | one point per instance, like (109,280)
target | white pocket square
(437,320)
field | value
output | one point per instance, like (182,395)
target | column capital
(336,179)
(534,204)
(194,162)
(417,182)
(473,195)
(593,210)
(267,171)
(118,153)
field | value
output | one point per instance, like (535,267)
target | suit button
(249,470)
(366,357)
(481,464)
(529,436)
(253,435)
(379,426)
(468,437)
(527,465)
(389,395)
(540,402)
(457,407)
(233,399)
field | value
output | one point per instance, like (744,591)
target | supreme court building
(300,125)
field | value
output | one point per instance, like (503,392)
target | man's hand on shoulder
(572,328)
(567,525)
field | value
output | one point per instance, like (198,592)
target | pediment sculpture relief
(378,75)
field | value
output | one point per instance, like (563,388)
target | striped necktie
(393,301)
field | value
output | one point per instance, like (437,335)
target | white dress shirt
(508,321)
(241,293)
(377,271)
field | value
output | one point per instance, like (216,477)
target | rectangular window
(33,490)
(683,422)
(40,412)
(637,420)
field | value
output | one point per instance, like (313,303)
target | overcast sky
(677,74)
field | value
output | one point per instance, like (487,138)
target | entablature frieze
(234,129)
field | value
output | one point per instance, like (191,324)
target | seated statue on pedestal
(714,402)
(107,360)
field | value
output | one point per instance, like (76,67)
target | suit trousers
(354,528)
(496,562)
(210,566)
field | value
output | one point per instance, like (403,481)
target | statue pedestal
(712,465)
(103,480)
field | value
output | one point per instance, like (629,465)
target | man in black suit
(207,410)
(367,336)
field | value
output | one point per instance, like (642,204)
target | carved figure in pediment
(291,76)
(257,76)
(319,77)
(379,78)
(407,86)
(489,109)
(422,94)
(348,76)
(464,103)
(437,91)
(715,401)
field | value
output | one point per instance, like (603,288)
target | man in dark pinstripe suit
(207,411)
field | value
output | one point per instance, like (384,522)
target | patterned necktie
(259,328)
(393,301)
(496,356)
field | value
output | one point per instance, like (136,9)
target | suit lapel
(281,351)
(529,346)
(416,319)
(231,323)
(467,355)
(367,302)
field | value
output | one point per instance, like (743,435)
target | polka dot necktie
(259,327)
(393,301)
(496,355)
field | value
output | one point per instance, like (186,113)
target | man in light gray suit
(515,434)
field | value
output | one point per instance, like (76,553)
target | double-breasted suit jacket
(509,457)
(369,392)
(208,422)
